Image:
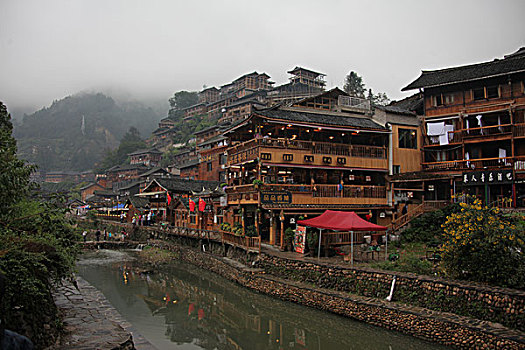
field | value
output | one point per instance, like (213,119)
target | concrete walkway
(90,322)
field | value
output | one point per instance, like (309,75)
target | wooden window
(341,160)
(327,160)
(266,156)
(437,100)
(493,91)
(223,159)
(478,94)
(288,157)
(448,99)
(408,138)
(308,159)
(396,169)
(209,166)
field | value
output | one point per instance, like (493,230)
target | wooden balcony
(319,194)
(493,132)
(340,155)
(519,130)
(473,164)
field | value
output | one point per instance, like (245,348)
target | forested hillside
(76,132)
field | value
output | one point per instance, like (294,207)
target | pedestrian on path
(84,235)
(105,234)
(97,234)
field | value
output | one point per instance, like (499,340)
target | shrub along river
(183,307)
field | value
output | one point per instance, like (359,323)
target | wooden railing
(249,150)
(457,136)
(519,163)
(519,130)
(487,130)
(245,242)
(317,190)
(252,244)
(349,191)
(471,164)
(425,207)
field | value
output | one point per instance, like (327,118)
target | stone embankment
(441,327)
(90,322)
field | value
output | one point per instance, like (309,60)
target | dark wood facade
(474,129)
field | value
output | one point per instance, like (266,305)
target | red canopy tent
(341,221)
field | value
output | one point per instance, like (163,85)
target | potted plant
(289,234)
(257,183)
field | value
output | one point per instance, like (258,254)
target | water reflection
(193,308)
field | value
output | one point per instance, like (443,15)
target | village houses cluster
(281,153)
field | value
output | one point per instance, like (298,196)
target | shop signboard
(487,177)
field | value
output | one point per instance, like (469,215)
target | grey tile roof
(145,151)
(186,186)
(513,63)
(322,119)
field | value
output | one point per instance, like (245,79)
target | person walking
(105,234)
(97,234)
(84,235)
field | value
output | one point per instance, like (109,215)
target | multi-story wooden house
(149,157)
(324,152)
(474,130)
(303,83)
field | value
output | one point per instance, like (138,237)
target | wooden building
(179,189)
(121,175)
(149,157)
(189,170)
(474,130)
(324,152)
(89,190)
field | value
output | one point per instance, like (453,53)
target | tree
(354,85)
(37,246)
(129,143)
(181,100)
(380,99)
(483,244)
(14,177)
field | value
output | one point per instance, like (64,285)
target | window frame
(402,139)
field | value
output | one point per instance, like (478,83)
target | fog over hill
(74,133)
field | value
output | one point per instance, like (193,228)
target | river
(184,307)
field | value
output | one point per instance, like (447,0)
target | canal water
(184,307)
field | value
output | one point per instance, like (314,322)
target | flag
(169,197)
(202,204)
(192,205)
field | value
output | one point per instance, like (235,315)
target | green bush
(427,228)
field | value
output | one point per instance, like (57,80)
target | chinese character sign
(488,177)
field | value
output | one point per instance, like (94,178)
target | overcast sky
(151,49)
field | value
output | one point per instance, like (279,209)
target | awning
(341,221)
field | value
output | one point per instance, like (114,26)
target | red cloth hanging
(168,197)
(202,204)
(192,205)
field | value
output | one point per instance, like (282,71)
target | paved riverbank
(90,322)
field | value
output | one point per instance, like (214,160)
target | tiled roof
(323,119)
(186,186)
(145,151)
(513,63)
(188,164)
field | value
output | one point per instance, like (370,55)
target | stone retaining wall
(505,306)
(447,329)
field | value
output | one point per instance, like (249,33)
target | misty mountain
(76,132)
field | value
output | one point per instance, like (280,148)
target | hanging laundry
(480,124)
(435,129)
